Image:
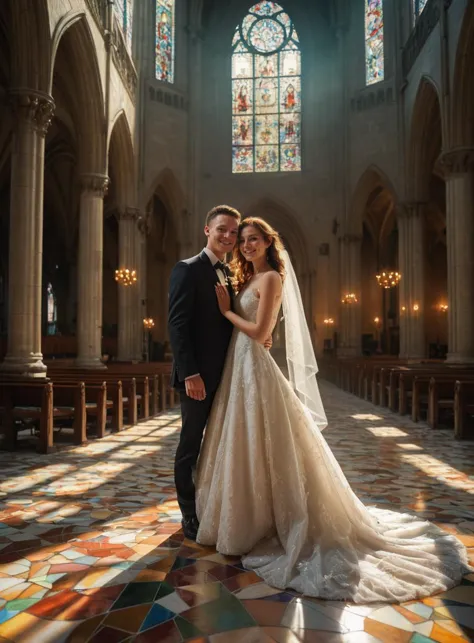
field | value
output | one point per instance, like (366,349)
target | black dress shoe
(190,527)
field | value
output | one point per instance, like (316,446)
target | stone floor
(91,548)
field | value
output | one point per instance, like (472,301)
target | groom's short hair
(223,209)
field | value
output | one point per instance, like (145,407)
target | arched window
(418,6)
(164,40)
(374,54)
(266,92)
(124,9)
(52,311)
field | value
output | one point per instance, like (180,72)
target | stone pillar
(404,268)
(32,116)
(412,285)
(89,289)
(128,297)
(350,325)
(458,165)
(141,240)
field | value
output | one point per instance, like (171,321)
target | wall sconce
(443,308)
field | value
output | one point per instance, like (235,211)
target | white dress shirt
(213,259)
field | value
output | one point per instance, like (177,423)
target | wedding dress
(268,488)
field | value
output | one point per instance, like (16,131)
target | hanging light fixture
(349,298)
(125,276)
(148,323)
(388,278)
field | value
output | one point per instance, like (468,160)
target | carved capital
(410,209)
(351,238)
(33,107)
(459,160)
(98,184)
(129,214)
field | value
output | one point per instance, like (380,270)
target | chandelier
(349,298)
(125,276)
(149,323)
(388,279)
(329,321)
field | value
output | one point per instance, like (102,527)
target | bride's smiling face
(252,244)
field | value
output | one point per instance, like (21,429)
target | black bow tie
(219,265)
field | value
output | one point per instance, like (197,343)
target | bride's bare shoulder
(272,281)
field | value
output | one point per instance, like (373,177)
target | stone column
(459,172)
(33,112)
(89,289)
(128,297)
(404,268)
(143,226)
(412,285)
(350,326)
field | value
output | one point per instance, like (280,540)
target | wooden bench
(43,403)
(464,410)
(143,396)
(122,394)
(441,395)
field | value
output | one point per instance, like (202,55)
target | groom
(199,336)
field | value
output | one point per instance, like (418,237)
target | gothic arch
(167,187)
(285,221)
(463,84)
(121,153)
(425,140)
(373,179)
(76,69)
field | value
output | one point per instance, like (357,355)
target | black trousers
(194,417)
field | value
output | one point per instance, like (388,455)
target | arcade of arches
(105,166)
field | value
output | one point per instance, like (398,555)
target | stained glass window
(52,311)
(418,6)
(266,92)
(164,40)
(374,50)
(124,9)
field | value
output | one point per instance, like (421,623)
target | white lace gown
(269,488)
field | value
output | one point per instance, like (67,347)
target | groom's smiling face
(222,234)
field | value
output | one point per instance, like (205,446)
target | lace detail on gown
(270,489)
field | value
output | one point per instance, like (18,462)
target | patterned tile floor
(91,548)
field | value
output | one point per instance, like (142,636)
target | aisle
(91,549)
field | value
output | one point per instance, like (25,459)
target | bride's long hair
(242,269)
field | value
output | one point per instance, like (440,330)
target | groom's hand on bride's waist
(195,388)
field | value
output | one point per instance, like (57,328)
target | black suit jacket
(199,333)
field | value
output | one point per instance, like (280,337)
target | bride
(268,487)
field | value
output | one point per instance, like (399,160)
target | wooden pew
(441,394)
(96,405)
(463,410)
(43,403)
(23,401)
(148,401)
(122,394)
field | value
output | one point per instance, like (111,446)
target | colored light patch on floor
(91,548)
